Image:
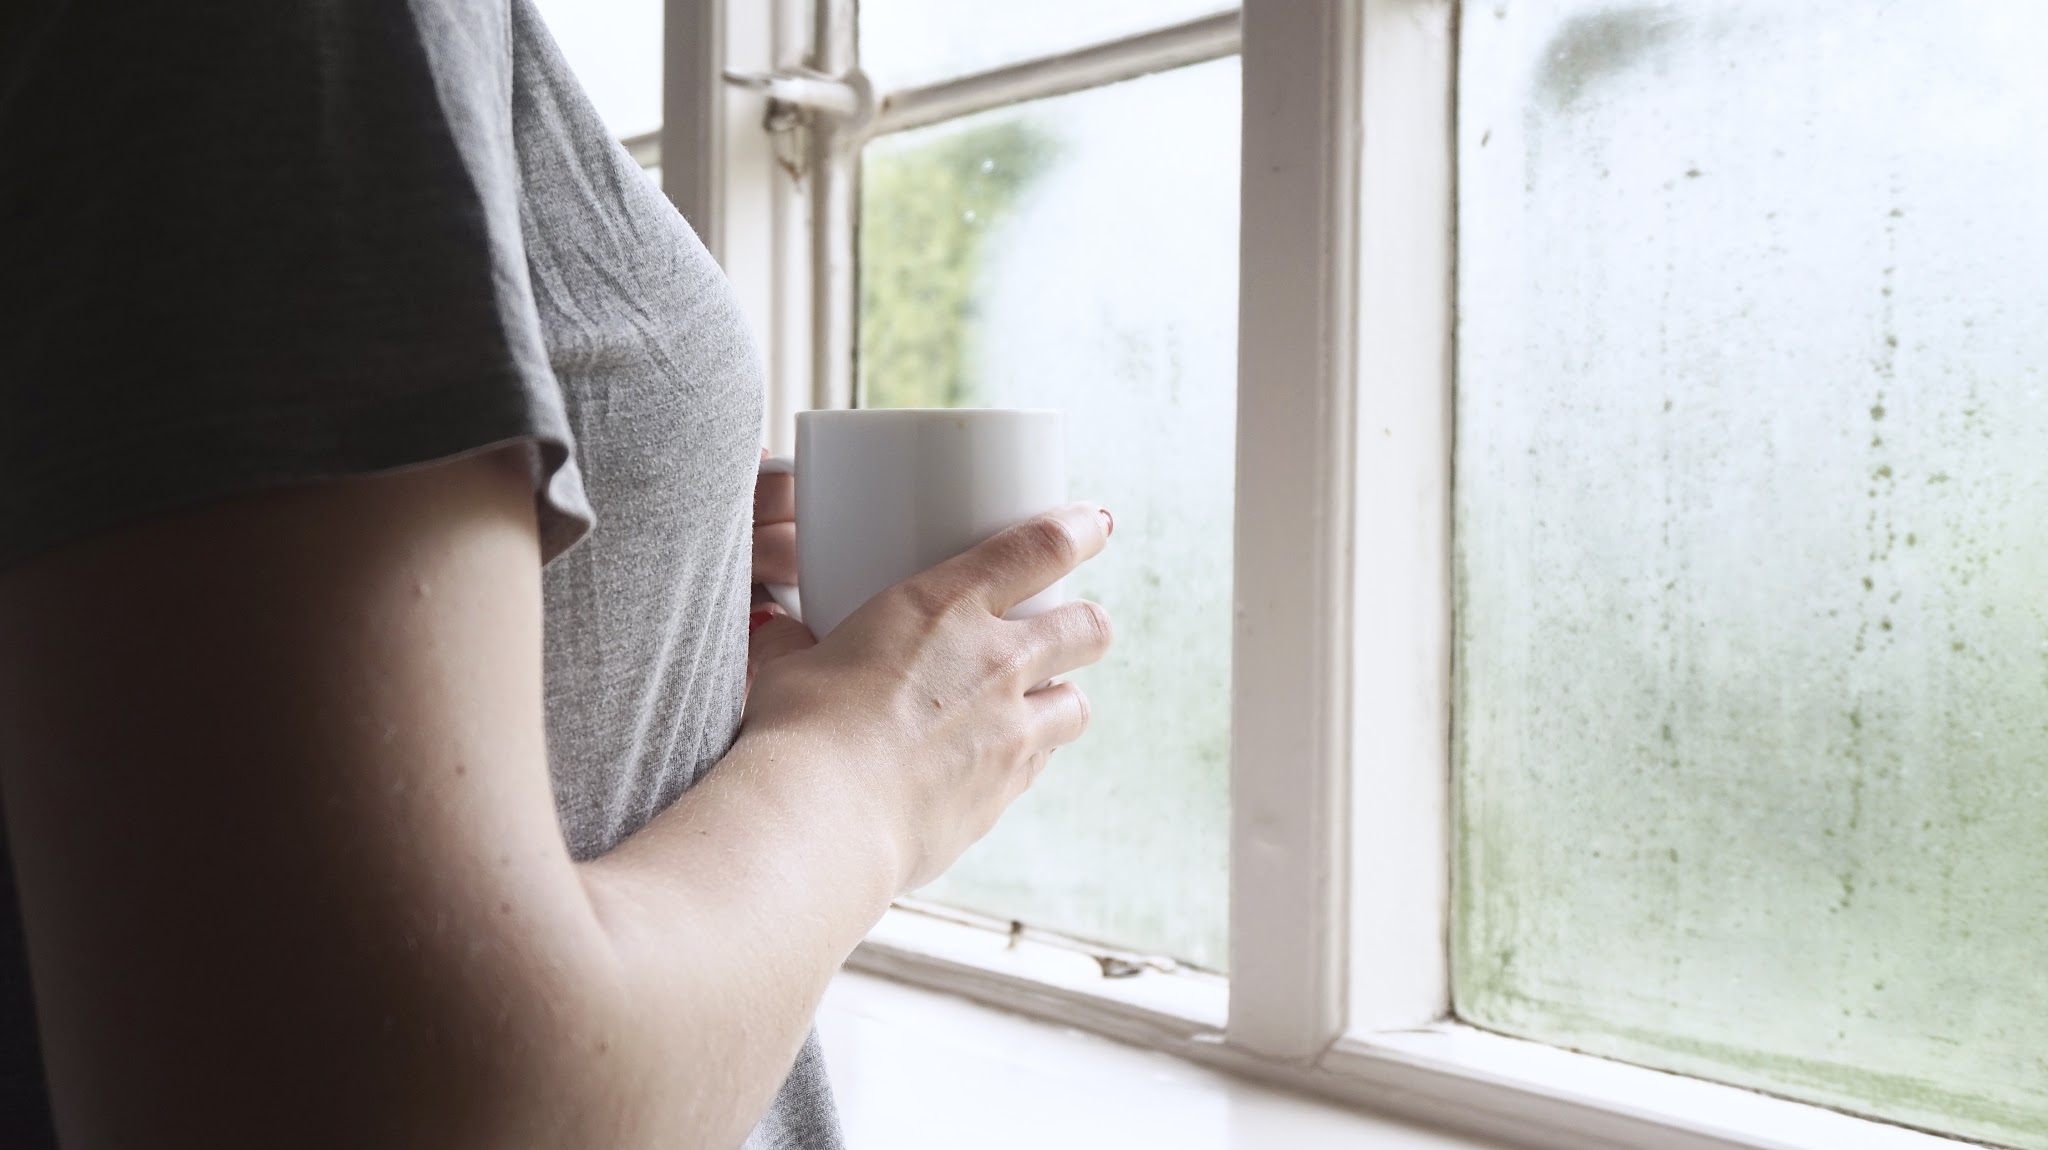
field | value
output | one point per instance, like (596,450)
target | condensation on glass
(904,43)
(614,47)
(1751,711)
(1081,253)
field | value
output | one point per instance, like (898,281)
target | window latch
(845,103)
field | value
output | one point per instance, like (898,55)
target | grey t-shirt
(246,243)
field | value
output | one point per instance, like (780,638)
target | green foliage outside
(929,205)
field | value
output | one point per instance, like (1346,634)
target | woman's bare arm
(276,786)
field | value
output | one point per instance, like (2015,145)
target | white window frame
(1340,757)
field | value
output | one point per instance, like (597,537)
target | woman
(375,454)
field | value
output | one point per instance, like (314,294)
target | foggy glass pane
(905,43)
(614,47)
(1081,253)
(1751,712)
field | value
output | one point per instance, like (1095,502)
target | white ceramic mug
(885,493)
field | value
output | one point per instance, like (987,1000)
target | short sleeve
(246,243)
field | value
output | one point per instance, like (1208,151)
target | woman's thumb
(774,637)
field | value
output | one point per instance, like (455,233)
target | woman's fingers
(997,708)
(1059,714)
(774,498)
(774,552)
(1018,562)
(1066,638)
(774,527)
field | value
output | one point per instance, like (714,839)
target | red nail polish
(1108,521)
(757,620)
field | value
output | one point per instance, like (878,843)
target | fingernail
(1108,521)
(756,620)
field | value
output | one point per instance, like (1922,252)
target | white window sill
(916,1068)
(931,977)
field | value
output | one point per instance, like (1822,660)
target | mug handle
(784,594)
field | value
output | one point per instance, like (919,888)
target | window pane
(1081,253)
(614,46)
(904,43)
(1752,523)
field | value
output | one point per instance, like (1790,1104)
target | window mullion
(1400,878)
(1290,733)
(692,148)
(834,166)
(743,187)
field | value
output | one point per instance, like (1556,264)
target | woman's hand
(929,690)
(774,529)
